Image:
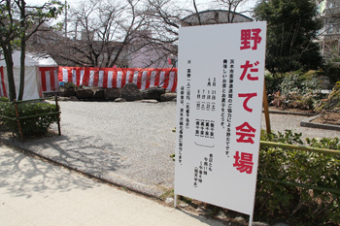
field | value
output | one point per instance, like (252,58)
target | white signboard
(219,105)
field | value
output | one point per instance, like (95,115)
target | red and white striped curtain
(118,77)
(49,79)
(48,76)
(3,92)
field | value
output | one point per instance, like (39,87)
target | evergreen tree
(292,29)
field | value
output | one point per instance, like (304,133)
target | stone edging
(308,123)
(291,113)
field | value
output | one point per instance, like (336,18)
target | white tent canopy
(44,60)
(31,60)
(32,88)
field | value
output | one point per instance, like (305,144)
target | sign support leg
(251,220)
(265,107)
(175,201)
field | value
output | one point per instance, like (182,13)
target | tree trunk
(9,62)
(23,49)
(197,13)
(22,69)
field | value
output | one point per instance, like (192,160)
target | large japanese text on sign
(220,87)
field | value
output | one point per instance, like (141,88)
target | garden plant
(44,112)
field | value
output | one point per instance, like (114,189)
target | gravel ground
(128,143)
(139,133)
(125,143)
(281,122)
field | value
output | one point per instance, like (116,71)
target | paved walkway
(35,192)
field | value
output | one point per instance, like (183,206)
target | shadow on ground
(75,152)
(100,159)
(22,177)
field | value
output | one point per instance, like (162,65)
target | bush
(297,90)
(330,108)
(4,99)
(332,66)
(333,101)
(272,84)
(302,206)
(275,202)
(299,80)
(70,85)
(303,99)
(36,125)
(3,102)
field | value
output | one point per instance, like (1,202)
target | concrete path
(37,193)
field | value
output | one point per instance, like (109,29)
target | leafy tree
(332,65)
(18,23)
(329,37)
(31,18)
(292,27)
(9,32)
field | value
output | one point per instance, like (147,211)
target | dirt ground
(332,118)
(328,118)
(294,110)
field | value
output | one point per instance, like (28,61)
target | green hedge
(299,206)
(30,126)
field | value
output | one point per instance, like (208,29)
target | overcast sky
(201,4)
(206,4)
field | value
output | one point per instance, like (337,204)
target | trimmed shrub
(3,102)
(35,125)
